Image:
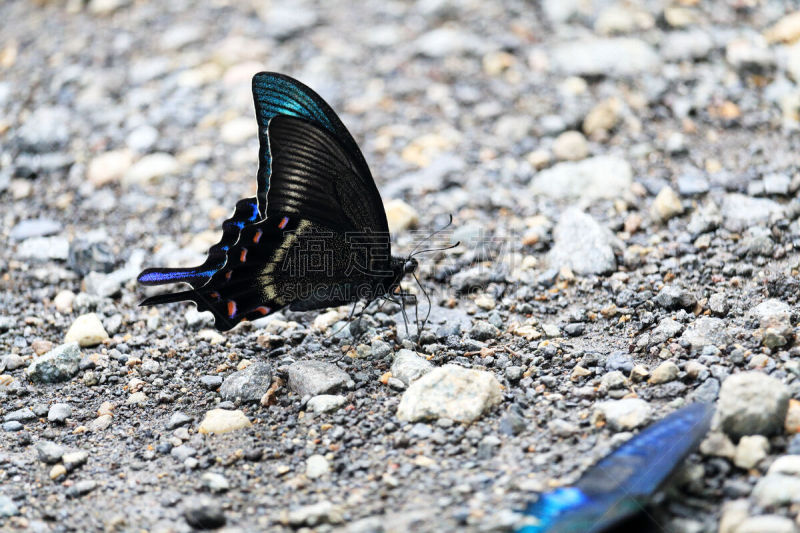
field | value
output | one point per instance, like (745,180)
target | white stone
(86,330)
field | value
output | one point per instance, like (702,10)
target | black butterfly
(315,235)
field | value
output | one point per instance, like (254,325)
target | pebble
(611,57)
(325,403)
(786,29)
(667,329)
(204,513)
(109,167)
(673,297)
(44,248)
(625,414)
(719,445)
(740,212)
(400,216)
(317,466)
(72,460)
(59,412)
(101,423)
(570,146)
(63,301)
(215,482)
(86,330)
(582,245)
(450,391)
(786,464)
(35,227)
(178,419)
(409,366)
(706,331)
(238,130)
(323,512)
(776,490)
(483,330)
(81,488)
(20,415)
(151,168)
(223,421)
(448,42)
(595,178)
(752,403)
(249,384)
(49,452)
(7,507)
(12,425)
(686,45)
(664,373)
(792,422)
(603,117)
(312,378)
(137,398)
(57,365)
(11,362)
(766,524)
(666,205)
(45,130)
(142,139)
(751,450)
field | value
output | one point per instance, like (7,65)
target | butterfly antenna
(433,233)
(436,249)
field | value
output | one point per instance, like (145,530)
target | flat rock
(740,212)
(59,364)
(313,378)
(612,57)
(223,421)
(582,244)
(625,414)
(325,403)
(752,403)
(600,177)
(409,365)
(249,384)
(706,331)
(450,391)
(34,227)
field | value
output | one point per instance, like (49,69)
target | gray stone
(45,130)
(20,415)
(249,384)
(178,419)
(582,244)
(312,378)
(12,425)
(776,490)
(182,452)
(483,331)
(450,392)
(718,304)
(7,507)
(59,412)
(667,329)
(11,362)
(673,297)
(215,482)
(204,513)
(612,57)
(706,331)
(446,42)
(686,45)
(777,184)
(740,212)
(211,382)
(766,524)
(323,512)
(624,415)
(752,403)
(600,177)
(44,248)
(49,452)
(35,227)
(409,365)
(73,460)
(325,403)
(57,365)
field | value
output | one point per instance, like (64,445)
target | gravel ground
(623,178)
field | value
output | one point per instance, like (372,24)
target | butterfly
(314,236)
(621,484)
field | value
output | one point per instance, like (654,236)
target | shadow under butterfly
(315,235)
(614,493)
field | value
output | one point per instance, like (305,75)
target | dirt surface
(623,180)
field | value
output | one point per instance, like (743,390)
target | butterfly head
(410,266)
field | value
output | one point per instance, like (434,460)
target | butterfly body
(314,236)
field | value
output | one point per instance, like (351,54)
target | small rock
(625,414)
(137,398)
(582,244)
(223,421)
(7,507)
(11,362)
(450,392)
(719,445)
(211,382)
(109,167)
(600,177)
(323,512)
(786,464)
(57,365)
(101,423)
(150,168)
(483,330)
(45,130)
(603,117)
(86,330)
(57,472)
(400,216)
(142,138)
(612,57)
(766,524)
(317,466)
(20,415)
(73,460)
(752,403)
(325,403)
(740,212)
(204,513)
(238,130)
(673,297)
(752,449)
(665,372)
(667,329)
(706,331)
(718,304)
(81,488)
(666,205)
(786,30)
(59,412)
(792,422)
(570,146)
(776,490)
(36,227)
(249,384)
(215,482)
(44,248)
(312,378)
(63,301)
(178,419)
(49,452)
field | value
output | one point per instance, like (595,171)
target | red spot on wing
(231,308)
(262,309)
(214,295)
(283,223)
(257,236)
(228,275)
(243,255)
